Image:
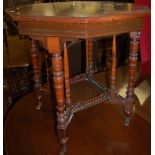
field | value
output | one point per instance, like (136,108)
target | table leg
(47,69)
(89,56)
(134,47)
(67,82)
(113,70)
(36,72)
(58,79)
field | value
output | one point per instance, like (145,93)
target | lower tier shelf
(89,91)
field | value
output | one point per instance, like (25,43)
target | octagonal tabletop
(75,9)
(80,19)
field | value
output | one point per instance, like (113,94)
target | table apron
(80,30)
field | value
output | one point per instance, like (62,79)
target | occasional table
(57,26)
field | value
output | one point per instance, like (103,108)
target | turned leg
(58,79)
(129,100)
(113,70)
(36,72)
(67,82)
(47,69)
(89,56)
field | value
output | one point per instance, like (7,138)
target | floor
(96,131)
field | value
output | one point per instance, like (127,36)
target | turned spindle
(113,69)
(67,82)
(36,72)
(133,56)
(89,56)
(47,69)
(58,79)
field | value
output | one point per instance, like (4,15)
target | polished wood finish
(89,56)
(77,9)
(95,19)
(54,23)
(113,69)
(58,78)
(29,132)
(133,56)
(36,72)
(67,82)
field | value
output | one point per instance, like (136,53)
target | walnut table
(54,24)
